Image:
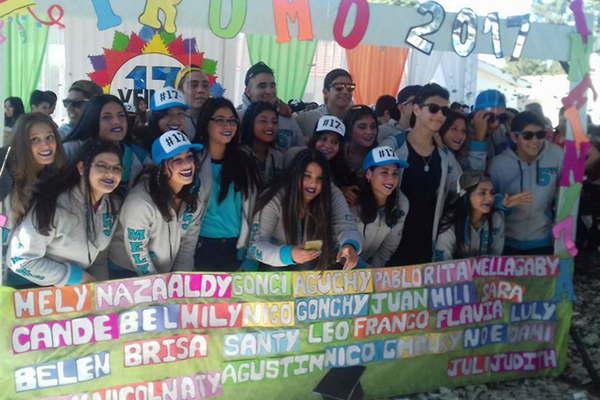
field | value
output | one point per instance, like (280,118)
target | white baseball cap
(330,123)
(167,97)
(171,144)
(382,155)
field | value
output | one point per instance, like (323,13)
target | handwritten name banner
(240,335)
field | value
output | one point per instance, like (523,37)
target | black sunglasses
(75,103)
(434,108)
(491,118)
(530,135)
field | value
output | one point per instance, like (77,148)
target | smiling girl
(34,155)
(160,220)
(105,118)
(361,129)
(230,180)
(471,226)
(382,207)
(303,221)
(71,222)
(259,132)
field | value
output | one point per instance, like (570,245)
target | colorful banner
(275,335)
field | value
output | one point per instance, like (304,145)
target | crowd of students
(193,183)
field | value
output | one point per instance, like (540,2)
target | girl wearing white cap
(168,114)
(382,207)
(328,139)
(303,222)
(105,117)
(230,181)
(71,222)
(160,220)
(259,132)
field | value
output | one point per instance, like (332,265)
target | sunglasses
(491,118)
(338,87)
(530,135)
(223,122)
(434,108)
(74,103)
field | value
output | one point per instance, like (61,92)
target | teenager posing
(71,222)
(160,219)
(305,207)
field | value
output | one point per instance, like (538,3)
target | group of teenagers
(198,185)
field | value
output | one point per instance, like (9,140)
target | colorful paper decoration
(564,231)
(360,25)
(153,9)
(296,11)
(236,21)
(106,16)
(125,48)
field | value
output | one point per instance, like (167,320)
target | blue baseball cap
(167,97)
(490,98)
(171,144)
(380,156)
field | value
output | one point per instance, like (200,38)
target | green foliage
(526,67)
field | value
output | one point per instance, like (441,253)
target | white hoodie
(61,257)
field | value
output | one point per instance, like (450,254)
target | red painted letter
(360,26)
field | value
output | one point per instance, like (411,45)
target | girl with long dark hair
(13,109)
(471,154)
(361,131)
(230,177)
(328,139)
(471,226)
(160,218)
(303,221)
(382,207)
(71,222)
(105,118)
(259,132)
(34,155)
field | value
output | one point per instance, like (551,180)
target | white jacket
(60,258)
(146,243)
(379,240)
(269,244)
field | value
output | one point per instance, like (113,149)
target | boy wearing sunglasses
(80,93)
(489,122)
(534,166)
(338,89)
(431,175)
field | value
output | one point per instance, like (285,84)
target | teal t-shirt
(222,220)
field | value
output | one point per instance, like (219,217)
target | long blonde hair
(22,166)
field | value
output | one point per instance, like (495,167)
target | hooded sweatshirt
(146,243)
(269,244)
(529,226)
(204,161)
(288,131)
(451,171)
(134,160)
(476,240)
(379,240)
(61,257)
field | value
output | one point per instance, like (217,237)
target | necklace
(426,161)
